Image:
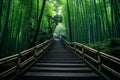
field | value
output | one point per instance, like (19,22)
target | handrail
(101,65)
(36,51)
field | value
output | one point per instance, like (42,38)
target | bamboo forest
(93,24)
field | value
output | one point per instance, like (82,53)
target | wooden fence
(22,59)
(103,61)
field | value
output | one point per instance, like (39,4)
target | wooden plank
(9,57)
(9,71)
(27,61)
(109,56)
(111,70)
(91,58)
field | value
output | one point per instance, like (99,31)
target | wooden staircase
(60,63)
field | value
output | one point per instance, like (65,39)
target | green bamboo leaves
(89,21)
(25,23)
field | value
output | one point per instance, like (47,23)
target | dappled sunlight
(59,31)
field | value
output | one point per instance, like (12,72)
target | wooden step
(62,59)
(80,61)
(60,69)
(60,76)
(61,64)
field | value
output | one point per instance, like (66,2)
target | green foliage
(91,20)
(22,22)
(85,21)
(114,42)
(110,46)
(59,31)
(94,23)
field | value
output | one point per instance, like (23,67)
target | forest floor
(111,46)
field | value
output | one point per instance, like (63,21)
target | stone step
(60,69)
(60,76)
(61,64)
(80,61)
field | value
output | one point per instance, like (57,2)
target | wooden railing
(21,60)
(103,63)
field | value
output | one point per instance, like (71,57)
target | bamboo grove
(90,21)
(25,23)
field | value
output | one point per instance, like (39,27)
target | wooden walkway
(60,63)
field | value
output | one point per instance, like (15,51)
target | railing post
(70,45)
(67,44)
(75,47)
(42,47)
(99,61)
(83,51)
(18,63)
(35,54)
(48,44)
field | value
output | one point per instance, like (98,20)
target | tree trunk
(1,3)
(69,21)
(116,17)
(107,21)
(28,38)
(18,30)
(38,26)
(4,35)
(37,9)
